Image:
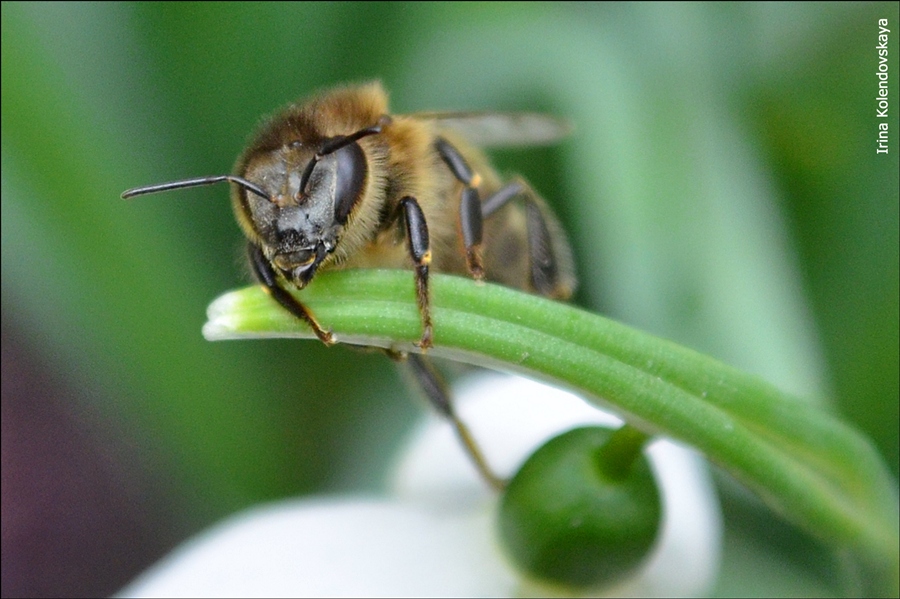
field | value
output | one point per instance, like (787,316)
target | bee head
(307,200)
(293,200)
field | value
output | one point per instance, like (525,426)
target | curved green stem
(617,455)
(805,464)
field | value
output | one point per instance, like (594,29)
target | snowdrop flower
(434,532)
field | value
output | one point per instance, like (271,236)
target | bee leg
(265,274)
(420,252)
(470,211)
(545,273)
(431,382)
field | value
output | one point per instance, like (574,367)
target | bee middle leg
(431,382)
(265,274)
(470,211)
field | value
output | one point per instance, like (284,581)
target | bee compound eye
(351,174)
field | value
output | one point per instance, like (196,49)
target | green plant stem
(618,454)
(805,464)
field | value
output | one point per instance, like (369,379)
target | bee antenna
(139,191)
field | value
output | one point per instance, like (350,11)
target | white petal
(510,417)
(435,537)
(331,547)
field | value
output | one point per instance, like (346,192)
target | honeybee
(338,182)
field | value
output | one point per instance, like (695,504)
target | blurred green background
(722,189)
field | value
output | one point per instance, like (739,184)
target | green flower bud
(584,510)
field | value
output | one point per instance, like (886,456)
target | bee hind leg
(266,276)
(547,274)
(430,381)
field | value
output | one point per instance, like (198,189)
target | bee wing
(501,129)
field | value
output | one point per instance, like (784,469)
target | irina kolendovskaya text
(881,98)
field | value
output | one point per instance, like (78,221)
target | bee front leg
(470,218)
(430,381)
(267,277)
(420,252)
